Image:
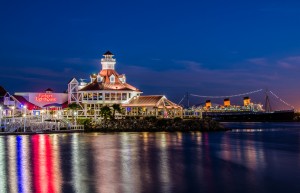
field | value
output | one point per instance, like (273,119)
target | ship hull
(251,116)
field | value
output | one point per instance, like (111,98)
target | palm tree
(73,107)
(105,112)
(116,108)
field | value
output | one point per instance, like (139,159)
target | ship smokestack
(226,102)
(247,101)
(207,104)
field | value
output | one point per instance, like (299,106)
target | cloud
(188,64)
(290,63)
(259,61)
(81,61)
(194,75)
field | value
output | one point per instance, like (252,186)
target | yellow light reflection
(164,164)
(106,163)
(79,164)
(129,161)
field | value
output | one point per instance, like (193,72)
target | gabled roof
(2,91)
(73,80)
(105,84)
(23,101)
(93,86)
(49,89)
(105,74)
(108,53)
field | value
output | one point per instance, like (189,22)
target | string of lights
(181,100)
(282,100)
(228,96)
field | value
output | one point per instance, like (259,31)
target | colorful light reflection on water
(151,162)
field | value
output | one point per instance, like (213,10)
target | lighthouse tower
(108,62)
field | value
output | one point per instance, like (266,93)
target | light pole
(13,113)
(24,115)
(1,114)
(55,116)
(42,113)
(75,114)
(59,118)
(25,109)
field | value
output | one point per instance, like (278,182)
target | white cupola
(108,62)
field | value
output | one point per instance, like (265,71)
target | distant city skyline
(163,47)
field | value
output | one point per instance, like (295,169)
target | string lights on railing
(181,100)
(229,96)
(282,100)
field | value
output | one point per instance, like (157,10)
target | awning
(53,105)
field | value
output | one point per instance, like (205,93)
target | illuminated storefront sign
(45,98)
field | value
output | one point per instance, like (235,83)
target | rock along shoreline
(150,124)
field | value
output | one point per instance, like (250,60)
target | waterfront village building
(34,102)
(105,88)
(108,87)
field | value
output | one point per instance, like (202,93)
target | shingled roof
(94,86)
(158,101)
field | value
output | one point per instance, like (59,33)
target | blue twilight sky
(164,47)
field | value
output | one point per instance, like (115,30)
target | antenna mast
(268,107)
(188,99)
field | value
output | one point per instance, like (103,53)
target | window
(118,96)
(124,96)
(94,96)
(112,79)
(99,79)
(107,97)
(100,96)
(113,96)
(90,96)
(84,96)
(129,95)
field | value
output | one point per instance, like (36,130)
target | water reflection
(151,162)
(3,174)
(164,163)
(12,160)
(79,166)
(106,163)
(246,152)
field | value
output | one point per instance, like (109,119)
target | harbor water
(252,157)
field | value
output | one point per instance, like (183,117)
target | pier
(37,124)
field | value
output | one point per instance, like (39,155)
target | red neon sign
(45,98)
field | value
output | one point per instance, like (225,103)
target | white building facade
(105,88)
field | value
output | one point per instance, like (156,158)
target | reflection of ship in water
(248,111)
